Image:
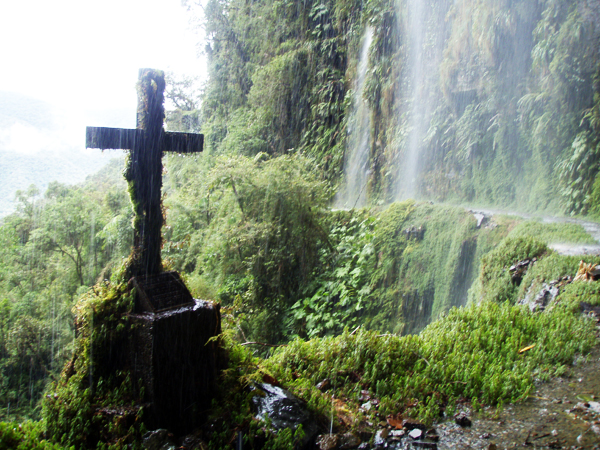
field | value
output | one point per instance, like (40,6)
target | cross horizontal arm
(122,138)
(182,142)
(111,138)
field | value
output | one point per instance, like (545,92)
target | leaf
(524,349)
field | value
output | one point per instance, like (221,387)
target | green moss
(495,282)
(93,404)
(422,375)
(551,233)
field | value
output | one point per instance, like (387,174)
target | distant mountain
(18,108)
(40,144)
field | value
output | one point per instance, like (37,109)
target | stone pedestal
(171,357)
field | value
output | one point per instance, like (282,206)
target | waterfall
(356,162)
(424,33)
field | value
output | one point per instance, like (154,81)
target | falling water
(416,31)
(356,164)
(424,33)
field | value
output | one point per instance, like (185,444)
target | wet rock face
(480,218)
(415,233)
(157,440)
(519,269)
(284,410)
(539,301)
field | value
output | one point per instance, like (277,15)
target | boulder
(284,410)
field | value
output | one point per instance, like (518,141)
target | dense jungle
(342,214)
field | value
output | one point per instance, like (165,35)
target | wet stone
(432,435)
(397,434)
(381,436)
(416,433)
(424,444)
(160,292)
(323,385)
(366,406)
(410,424)
(327,441)
(348,441)
(284,410)
(543,298)
(462,419)
(157,440)
(176,393)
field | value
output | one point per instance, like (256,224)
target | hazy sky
(82,57)
(86,53)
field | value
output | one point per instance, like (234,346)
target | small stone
(411,424)
(433,437)
(554,433)
(156,440)
(462,419)
(366,406)
(596,429)
(424,444)
(416,433)
(595,406)
(327,441)
(348,441)
(381,436)
(168,446)
(397,434)
(485,436)
(363,446)
(323,385)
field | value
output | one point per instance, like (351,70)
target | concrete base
(171,360)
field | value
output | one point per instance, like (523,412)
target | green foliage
(256,235)
(24,436)
(277,77)
(342,289)
(51,249)
(393,270)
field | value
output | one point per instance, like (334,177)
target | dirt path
(592,228)
(563,413)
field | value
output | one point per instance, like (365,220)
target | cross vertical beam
(144,167)
(144,175)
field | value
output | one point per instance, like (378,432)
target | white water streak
(356,164)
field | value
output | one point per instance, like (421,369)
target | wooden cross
(144,166)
